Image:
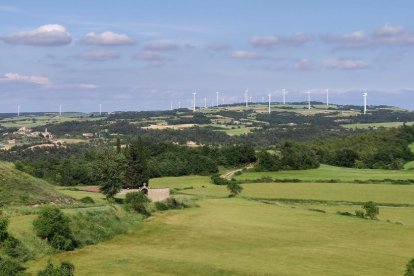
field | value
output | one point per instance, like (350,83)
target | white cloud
(46,35)
(14,77)
(107,39)
(305,64)
(162,46)
(264,41)
(98,55)
(345,64)
(240,54)
(149,56)
(43,81)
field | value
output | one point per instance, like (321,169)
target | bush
(65,269)
(87,200)
(138,202)
(10,267)
(16,249)
(53,225)
(4,223)
(161,206)
(409,271)
(216,179)
(371,209)
(359,214)
(234,188)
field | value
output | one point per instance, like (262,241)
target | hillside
(18,188)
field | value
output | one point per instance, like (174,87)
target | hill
(18,188)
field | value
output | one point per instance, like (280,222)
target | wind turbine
(309,100)
(327,97)
(365,102)
(194,103)
(179,104)
(205,102)
(100,109)
(269,95)
(18,110)
(60,110)
(171,107)
(246,97)
(284,96)
(217,98)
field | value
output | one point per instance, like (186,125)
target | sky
(149,55)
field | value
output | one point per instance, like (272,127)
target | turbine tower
(205,102)
(217,99)
(171,107)
(246,97)
(269,102)
(365,102)
(60,110)
(309,100)
(18,110)
(194,104)
(179,104)
(327,97)
(100,109)
(284,96)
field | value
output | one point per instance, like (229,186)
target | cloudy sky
(143,55)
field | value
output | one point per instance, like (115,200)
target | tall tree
(136,171)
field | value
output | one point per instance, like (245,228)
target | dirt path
(230,174)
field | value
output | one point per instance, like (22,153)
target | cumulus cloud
(14,77)
(240,54)
(295,40)
(98,55)
(152,58)
(345,64)
(46,35)
(162,46)
(107,39)
(383,36)
(43,81)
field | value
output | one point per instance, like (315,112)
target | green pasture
(240,237)
(376,125)
(35,121)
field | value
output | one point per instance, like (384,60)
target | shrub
(10,267)
(138,202)
(409,271)
(16,249)
(371,209)
(348,214)
(65,269)
(234,188)
(53,225)
(161,206)
(216,179)
(4,223)
(87,200)
(359,214)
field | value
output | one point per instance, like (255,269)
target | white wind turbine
(365,94)
(18,110)
(327,97)
(284,96)
(217,99)
(246,97)
(194,102)
(309,99)
(269,95)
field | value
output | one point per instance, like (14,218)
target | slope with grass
(18,188)
(239,237)
(326,173)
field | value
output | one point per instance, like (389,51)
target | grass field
(239,237)
(326,173)
(25,121)
(376,125)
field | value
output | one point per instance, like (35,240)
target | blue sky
(143,55)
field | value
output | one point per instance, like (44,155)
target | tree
(371,209)
(345,158)
(267,162)
(234,188)
(138,202)
(53,225)
(65,269)
(109,172)
(10,267)
(136,171)
(409,271)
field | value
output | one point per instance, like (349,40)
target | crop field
(26,121)
(239,237)
(326,173)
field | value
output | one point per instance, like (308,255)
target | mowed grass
(325,173)
(240,237)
